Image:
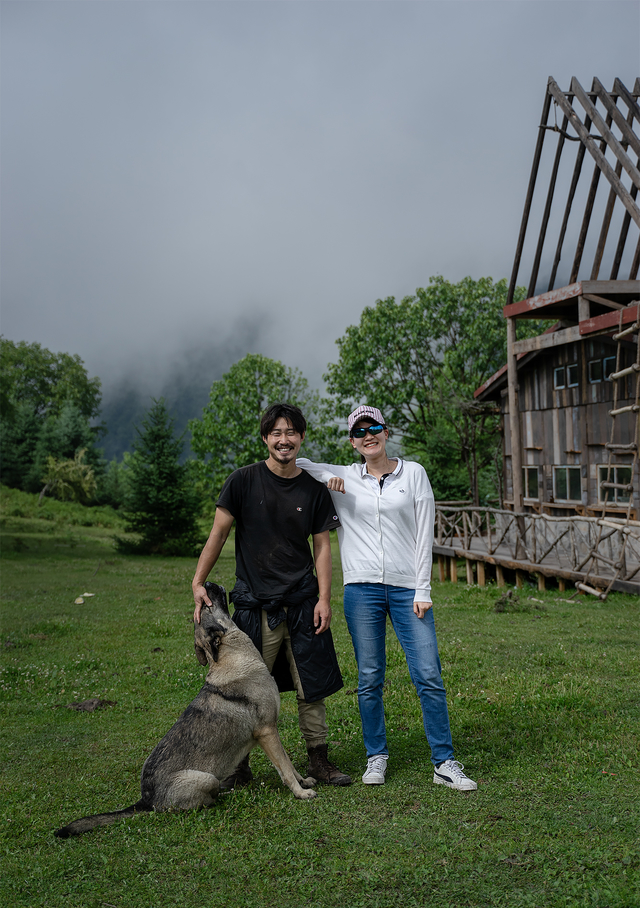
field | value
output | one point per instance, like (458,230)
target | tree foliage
(69,480)
(228,434)
(32,375)
(46,403)
(162,504)
(420,360)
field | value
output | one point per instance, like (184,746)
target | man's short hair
(292,414)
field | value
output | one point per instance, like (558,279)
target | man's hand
(336,484)
(201,599)
(322,616)
(420,608)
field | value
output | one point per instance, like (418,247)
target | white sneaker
(376,768)
(450,774)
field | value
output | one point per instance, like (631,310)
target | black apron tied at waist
(242,598)
(314,654)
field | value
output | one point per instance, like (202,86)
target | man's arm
(220,530)
(322,558)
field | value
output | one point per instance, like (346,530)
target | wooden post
(542,582)
(453,569)
(519,579)
(514,419)
(442,569)
(480,569)
(499,575)
(562,584)
(470,578)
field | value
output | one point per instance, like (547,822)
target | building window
(619,475)
(572,375)
(609,365)
(558,378)
(566,484)
(530,482)
(595,371)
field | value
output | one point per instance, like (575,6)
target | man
(278,601)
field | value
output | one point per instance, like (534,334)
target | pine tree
(162,504)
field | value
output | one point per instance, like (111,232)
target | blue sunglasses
(361,431)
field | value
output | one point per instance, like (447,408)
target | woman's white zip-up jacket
(385,533)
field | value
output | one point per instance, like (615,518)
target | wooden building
(559,388)
(570,397)
(565,395)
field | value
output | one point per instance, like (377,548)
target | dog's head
(214,623)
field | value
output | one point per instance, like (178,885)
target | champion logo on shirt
(401,490)
(335,516)
(298,509)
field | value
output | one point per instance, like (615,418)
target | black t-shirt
(274,519)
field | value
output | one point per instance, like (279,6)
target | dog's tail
(86,824)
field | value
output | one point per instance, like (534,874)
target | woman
(386,511)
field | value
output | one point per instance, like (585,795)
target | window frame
(576,383)
(567,468)
(596,362)
(526,484)
(625,497)
(556,386)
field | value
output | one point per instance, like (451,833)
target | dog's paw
(309,782)
(306,794)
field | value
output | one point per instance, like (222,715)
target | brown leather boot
(322,769)
(240,777)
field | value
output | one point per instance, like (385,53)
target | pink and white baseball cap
(365,412)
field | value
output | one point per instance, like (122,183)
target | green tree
(30,374)
(228,434)
(69,480)
(420,360)
(162,505)
(46,403)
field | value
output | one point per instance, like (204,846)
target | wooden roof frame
(626,118)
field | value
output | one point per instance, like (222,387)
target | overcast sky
(242,177)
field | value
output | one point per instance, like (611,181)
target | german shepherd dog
(236,710)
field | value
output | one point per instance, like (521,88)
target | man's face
(283,441)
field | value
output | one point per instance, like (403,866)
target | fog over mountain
(187,182)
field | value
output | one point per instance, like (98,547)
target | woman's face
(370,445)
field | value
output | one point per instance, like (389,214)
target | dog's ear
(215,639)
(200,653)
(208,640)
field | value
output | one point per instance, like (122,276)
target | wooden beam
(608,320)
(606,133)
(624,124)
(514,419)
(594,298)
(542,582)
(545,341)
(598,156)
(453,569)
(577,170)
(519,579)
(628,98)
(527,204)
(442,569)
(531,305)
(469,565)
(499,575)
(547,209)
(481,574)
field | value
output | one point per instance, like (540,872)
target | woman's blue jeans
(366,606)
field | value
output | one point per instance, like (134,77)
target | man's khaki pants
(311,716)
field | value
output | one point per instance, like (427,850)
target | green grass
(545,713)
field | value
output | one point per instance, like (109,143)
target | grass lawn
(545,713)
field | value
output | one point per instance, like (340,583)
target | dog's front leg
(269,741)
